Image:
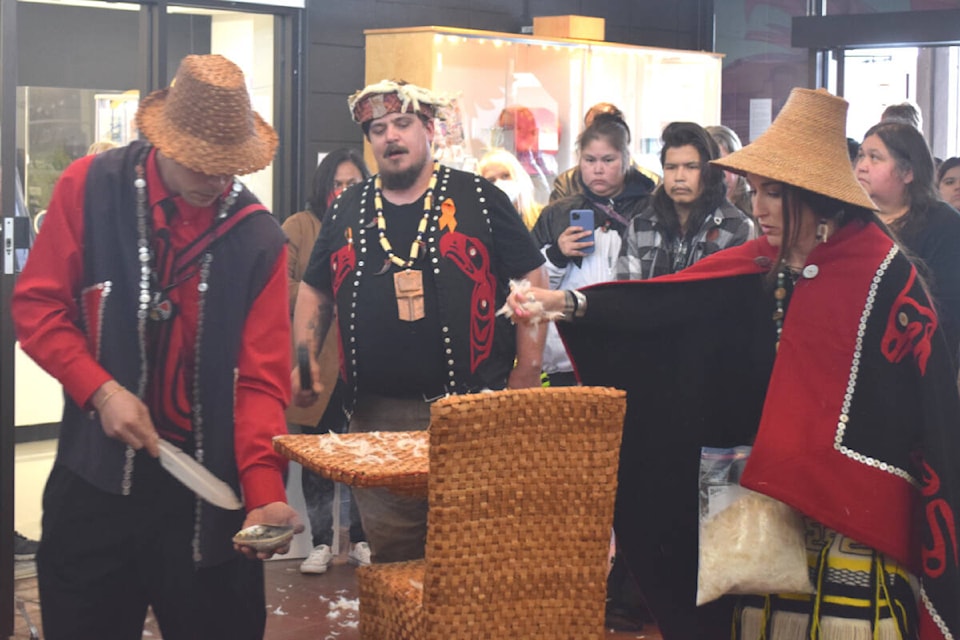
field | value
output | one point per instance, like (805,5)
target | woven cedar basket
(395,460)
(521,497)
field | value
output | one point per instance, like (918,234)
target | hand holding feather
(124,417)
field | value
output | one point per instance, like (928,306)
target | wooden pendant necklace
(421,228)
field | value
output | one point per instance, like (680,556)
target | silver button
(811,271)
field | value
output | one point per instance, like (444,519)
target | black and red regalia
(854,421)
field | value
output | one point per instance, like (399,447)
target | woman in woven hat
(896,168)
(818,345)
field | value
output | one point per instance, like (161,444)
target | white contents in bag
(749,543)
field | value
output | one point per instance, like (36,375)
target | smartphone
(583,218)
(303,360)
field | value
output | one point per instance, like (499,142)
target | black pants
(104,558)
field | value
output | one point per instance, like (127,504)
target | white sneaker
(318,561)
(359,554)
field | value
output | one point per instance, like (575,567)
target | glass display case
(529,94)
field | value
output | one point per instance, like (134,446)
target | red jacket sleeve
(44,303)
(263,391)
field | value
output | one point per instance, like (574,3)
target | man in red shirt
(156,294)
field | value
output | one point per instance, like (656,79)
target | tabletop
(396,460)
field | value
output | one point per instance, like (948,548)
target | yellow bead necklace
(421,228)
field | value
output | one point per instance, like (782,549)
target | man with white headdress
(415,262)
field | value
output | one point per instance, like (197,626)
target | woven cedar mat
(397,460)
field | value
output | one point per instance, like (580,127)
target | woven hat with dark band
(806,146)
(204,120)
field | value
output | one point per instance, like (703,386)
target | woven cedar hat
(806,146)
(204,120)
(389,96)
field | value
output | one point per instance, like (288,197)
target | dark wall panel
(561,7)
(338,70)
(339,23)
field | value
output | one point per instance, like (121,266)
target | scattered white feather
(376,447)
(346,604)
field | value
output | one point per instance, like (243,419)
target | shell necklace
(154,299)
(421,228)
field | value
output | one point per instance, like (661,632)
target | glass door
(929,77)
(875,79)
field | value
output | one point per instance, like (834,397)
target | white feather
(197,478)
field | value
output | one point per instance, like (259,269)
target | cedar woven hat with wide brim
(204,120)
(806,146)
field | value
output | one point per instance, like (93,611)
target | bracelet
(569,304)
(107,397)
(580,303)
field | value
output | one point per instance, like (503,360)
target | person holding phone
(570,182)
(688,217)
(580,235)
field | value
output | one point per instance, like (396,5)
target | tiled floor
(299,607)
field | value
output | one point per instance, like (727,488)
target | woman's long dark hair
(911,154)
(681,134)
(824,207)
(324,174)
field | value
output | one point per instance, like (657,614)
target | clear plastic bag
(749,542)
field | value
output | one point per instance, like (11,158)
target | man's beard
(403,179)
